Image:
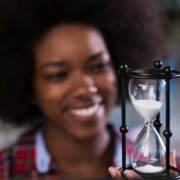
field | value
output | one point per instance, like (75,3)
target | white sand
(149,169)
(148,109)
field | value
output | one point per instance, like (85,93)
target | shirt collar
(42,157)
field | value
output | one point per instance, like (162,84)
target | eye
(100,66)
(57,76)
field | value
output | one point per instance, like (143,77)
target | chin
(90,133)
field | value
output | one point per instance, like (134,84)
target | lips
(85,112)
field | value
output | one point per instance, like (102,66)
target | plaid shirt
(22,159)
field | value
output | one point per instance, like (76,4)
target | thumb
(173,163)
(115,172)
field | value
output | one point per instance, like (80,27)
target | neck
(70,152)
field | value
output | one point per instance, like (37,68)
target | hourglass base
(161,176)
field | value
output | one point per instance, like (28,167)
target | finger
(130,174)
(115,172)
(173,163)
(173,158)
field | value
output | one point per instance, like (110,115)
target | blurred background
(9,134)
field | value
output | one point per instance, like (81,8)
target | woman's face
(74,83)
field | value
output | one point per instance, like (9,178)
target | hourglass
(148,152)
(148,89)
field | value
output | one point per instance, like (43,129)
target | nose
(83,85)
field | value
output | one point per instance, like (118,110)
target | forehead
(69,40)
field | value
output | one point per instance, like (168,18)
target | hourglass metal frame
(156,72)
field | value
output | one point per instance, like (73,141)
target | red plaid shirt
(20,160)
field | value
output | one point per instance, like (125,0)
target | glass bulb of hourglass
(148,153)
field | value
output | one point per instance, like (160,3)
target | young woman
(58,64)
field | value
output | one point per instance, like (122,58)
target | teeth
(86,111)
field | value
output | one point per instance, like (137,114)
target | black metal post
(167,133)
(123,128)
(157,122)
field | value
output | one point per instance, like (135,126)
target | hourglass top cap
(155,72)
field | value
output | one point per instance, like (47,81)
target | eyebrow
(54,63)
(95,56)
(63,61)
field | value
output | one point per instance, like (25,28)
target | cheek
(108,86)
(113,86)
(49,99)
(48,93)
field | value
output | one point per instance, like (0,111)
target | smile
(84,112)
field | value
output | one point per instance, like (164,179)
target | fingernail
(113,173)
(174,151)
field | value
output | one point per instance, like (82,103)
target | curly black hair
(132,30)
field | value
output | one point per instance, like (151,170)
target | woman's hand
(130,174)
